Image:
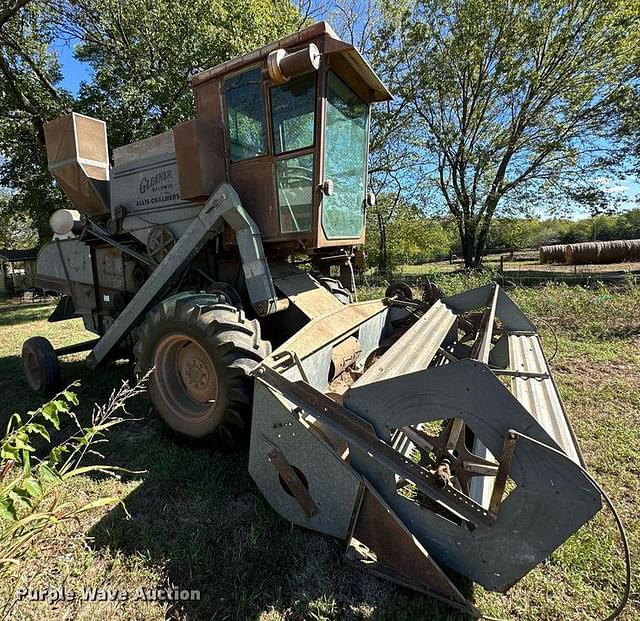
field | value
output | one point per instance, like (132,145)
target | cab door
(344,170)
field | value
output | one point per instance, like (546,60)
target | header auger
(426,435)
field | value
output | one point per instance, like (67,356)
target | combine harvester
(428,436)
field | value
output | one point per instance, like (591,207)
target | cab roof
(329,43)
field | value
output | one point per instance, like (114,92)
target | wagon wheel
(159,242)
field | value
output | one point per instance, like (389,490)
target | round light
(65,221)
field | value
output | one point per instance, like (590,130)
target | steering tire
(336,288)
(41,365)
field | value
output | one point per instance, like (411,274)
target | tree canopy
(509,98)
(499,106)
(141,54)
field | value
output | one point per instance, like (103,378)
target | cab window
(345,160)
(292,114)
(293,119)
(294,179)
(245,115)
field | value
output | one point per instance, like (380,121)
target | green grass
(197,521)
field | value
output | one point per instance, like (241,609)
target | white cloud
(612,185)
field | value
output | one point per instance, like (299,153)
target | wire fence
(418,275)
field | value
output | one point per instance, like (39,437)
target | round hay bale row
(582,254)
(615,251)
(552,254)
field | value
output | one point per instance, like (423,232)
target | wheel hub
(197,372)
(186,375)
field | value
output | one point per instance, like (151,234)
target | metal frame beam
(223,204)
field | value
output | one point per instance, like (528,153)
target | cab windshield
(345,160)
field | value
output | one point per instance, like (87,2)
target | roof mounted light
(282,66)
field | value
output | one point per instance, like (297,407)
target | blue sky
(73,71)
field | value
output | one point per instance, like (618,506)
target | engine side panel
(149,191)
(64,266)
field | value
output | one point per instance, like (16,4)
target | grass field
(197,521)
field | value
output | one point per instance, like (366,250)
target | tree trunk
(382,244)
(468,243)
(485,225)
(481,242)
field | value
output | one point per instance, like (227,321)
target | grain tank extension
(427,435)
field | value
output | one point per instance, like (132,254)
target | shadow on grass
(95,388)
(198,514)
(14,314)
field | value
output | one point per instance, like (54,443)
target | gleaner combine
(427,434)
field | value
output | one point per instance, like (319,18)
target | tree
(511,98)
(398,232)
(29,96)
(142,53)
(628,129)
(394,160)
(513,233)
(16,229)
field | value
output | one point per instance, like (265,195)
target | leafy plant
(33,496)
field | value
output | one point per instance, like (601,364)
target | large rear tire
(41,365)
(202,352)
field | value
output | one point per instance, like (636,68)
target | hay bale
(552,254)
(634,249)
(582,253)
(615,251)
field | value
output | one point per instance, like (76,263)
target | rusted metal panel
(334,327)
(305,293)
(381,544)
(78,157)
(200,157)
(255,182)
(318,33)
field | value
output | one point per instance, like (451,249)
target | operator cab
(288,126)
